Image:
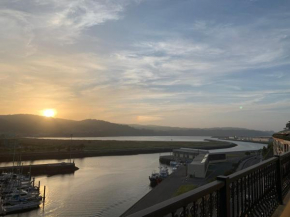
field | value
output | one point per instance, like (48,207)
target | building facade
(281,141)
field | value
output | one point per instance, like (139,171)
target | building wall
(198,170)
(280,146)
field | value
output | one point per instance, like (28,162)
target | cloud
(62,20)
(123,60)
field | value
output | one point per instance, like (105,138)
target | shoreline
(59,149)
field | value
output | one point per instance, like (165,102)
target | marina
(18,193)
(43,169)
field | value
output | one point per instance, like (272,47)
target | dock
(164,191)
(42,169)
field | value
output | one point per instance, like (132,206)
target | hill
(34,125)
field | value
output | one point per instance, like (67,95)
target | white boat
(163,172)
(15,198)
(173,163)
(21,207)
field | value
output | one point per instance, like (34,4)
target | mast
(71,135)
(13,156)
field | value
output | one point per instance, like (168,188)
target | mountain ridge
(35,125)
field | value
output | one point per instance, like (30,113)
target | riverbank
(243,140)
(40,149)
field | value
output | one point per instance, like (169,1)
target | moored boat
(156,178)
(22,206)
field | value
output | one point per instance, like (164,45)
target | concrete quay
(42,169)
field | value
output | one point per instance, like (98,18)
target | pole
(224,197)
(44,193)
(70,148)
(13,157)
(30,173)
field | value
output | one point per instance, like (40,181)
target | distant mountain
(215,131)
(34,125)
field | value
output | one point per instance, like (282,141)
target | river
(103,186)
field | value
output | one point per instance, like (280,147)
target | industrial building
(184,154)
(198,160)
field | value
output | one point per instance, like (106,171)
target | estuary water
(136,138)
(104,186)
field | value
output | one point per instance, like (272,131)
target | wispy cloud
(130,61)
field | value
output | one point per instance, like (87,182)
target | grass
(183,189)
(27,145)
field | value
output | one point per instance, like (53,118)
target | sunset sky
(187,63)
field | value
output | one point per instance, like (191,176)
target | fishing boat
(156,178)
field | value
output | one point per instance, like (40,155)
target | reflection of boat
(156,178)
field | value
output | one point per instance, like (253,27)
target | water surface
(106,186)
(135,138)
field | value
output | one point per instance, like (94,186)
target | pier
(42,169)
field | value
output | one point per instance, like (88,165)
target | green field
(27,145)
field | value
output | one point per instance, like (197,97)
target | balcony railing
(255,191)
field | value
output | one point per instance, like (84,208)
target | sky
(186,63)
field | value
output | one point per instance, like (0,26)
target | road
(249,162)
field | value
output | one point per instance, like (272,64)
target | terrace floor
(283,210)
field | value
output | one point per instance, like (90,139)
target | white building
(187,153)
(198,167)
(200,160)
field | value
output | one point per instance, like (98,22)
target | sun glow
(49,112)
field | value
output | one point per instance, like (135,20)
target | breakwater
(42,169)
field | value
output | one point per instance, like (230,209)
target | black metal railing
(285,173)
(255,191)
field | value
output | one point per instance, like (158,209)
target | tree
(288,125)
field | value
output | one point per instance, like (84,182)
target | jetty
(42,169)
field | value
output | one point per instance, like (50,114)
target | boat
(173,163)
(164,172)
(156,178)
(22,206)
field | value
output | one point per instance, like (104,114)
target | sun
(48,112)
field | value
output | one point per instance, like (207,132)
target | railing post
(224,198)
(279,183)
